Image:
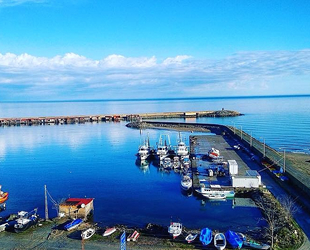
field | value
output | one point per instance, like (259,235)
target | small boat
(186,182)
(215,196)
(215,189)
(220,241)
(109,231)
(234,239)
(25,220)
(175,229)
(182,149)
(3,195)
(167,163)
(205,236)
(73,224)
(3,226)
(191,237)
(214,153)
(252,243)
(134,236)
(86,234)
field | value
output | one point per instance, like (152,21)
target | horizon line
(159,99)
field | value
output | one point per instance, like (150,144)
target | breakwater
(16,121)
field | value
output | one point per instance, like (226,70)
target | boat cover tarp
(233,239)
(206,236)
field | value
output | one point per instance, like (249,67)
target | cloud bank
(72,76)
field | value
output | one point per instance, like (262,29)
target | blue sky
(93,49)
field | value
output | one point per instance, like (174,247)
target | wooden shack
(76,207)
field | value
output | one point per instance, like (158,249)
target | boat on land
(191,237)
(215,190)
(220,241)
(88,233)
(25,220)
(73,224)
(205,236)
(234,239)
(134,236)
(175,229)
(186,182)
(109,231)
(214,153)
(252,243)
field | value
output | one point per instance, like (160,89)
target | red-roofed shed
(77,207)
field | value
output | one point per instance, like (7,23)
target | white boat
(186,182)
(215,196)
(167,163)
(220,241)
(163,147)
(214,153)
(3,226)
(109,231)
(215,190)
(144,150)
(176,162)
(182,149)
(86,234)
(175,229)
(191,237)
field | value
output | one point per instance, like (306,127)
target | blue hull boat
(234,240)
(73,224)
(205,236)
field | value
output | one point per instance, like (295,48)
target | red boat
(4,196)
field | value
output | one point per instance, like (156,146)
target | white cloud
(7,3)
(73,76)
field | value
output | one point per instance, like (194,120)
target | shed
(251,179)
(77,207)
(233,167)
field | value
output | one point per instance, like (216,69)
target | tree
(289,205)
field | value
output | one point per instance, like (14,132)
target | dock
(17,121)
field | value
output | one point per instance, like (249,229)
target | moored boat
(88,233)
(186,182)
(215,189)
(163,147)
(25,220)
(205,236)
(191,237)
(3,195)
(220,241)
(109,231)
(175,229)
(234,239)
(215,196)
(181,149)
(73,224)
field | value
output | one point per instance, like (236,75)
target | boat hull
(109,231)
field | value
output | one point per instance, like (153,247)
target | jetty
(17,121)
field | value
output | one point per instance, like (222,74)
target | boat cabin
(76,207)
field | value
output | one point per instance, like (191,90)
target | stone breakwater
(16,121)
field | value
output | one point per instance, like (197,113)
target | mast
(46,207)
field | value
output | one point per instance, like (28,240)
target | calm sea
(98,159)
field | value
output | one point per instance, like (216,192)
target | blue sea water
(98,159)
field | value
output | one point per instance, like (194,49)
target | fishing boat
(182,149)
(191,237)
(234,239)
(163,147)
(214,153)
(186,182)
(167,163)
(252,243)
(88,233)
(215,189)
(25,220)
(176,162)
(73,224)
(205,236)
(220,241)
(109,231)
(175,229)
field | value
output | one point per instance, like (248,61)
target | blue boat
(205,236)
(234,240)
(73,224)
